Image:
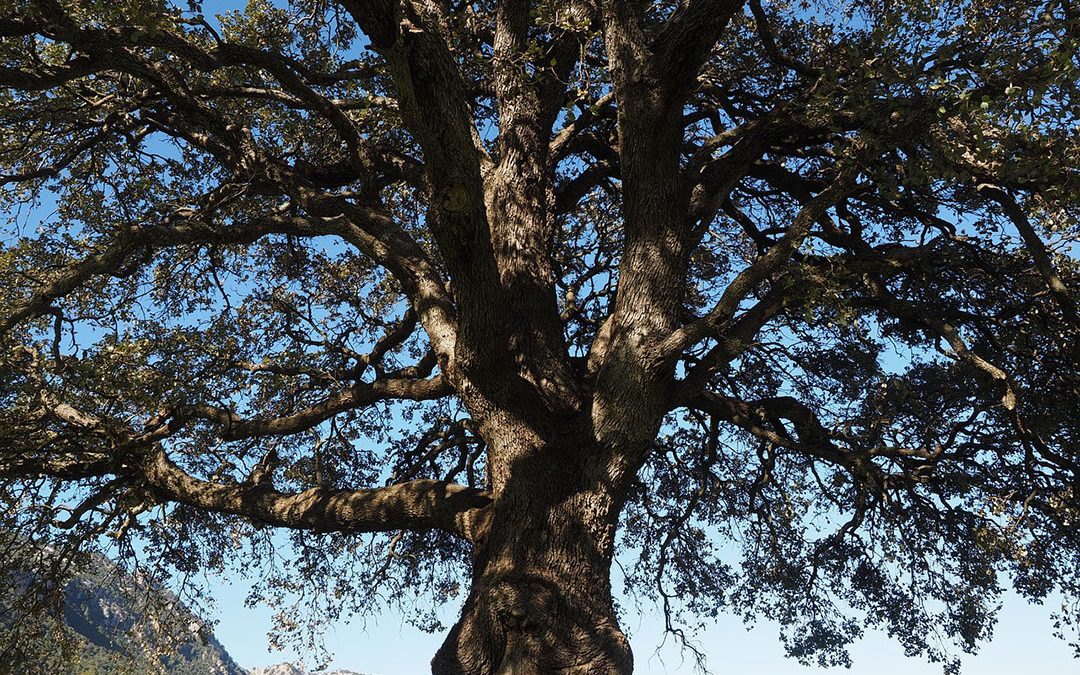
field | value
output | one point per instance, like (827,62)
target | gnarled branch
(415,505)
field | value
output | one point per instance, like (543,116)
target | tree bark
(541,599)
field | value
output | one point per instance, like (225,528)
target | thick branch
(416,505)
(436,109)
(522,229)
(683,46)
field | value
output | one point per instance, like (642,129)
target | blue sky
(1023,642)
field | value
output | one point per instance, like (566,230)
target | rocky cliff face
(112,624)
(115,624)
(108,619)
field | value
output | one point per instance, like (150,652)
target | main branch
(415,505)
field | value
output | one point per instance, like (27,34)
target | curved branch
(747,280)
(761,419)
(24,80)
(1035,247)
(768,40)
(139,459)
(184,226)
(415,505)
(359,395)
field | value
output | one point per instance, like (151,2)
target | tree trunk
(540,600)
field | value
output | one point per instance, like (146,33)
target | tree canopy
(774,304)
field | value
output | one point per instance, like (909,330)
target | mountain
(111,623)
(114,627)
(114,623)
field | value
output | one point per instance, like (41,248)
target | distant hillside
(107,631)
(95,613)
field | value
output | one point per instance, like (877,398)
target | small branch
(1036,247)
(747,280)
(359,395)
(184,226)
(768,41)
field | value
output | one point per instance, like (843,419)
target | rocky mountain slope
(114,628)
(110,623)
(106,628)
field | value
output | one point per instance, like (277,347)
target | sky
(1023,642)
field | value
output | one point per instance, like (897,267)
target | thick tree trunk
(541,595)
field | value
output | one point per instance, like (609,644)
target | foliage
(271,261)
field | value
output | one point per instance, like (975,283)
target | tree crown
(801,275)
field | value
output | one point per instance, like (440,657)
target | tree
(522,285)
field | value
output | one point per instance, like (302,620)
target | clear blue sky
(1022,643)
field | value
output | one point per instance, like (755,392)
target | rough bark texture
(541,600)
